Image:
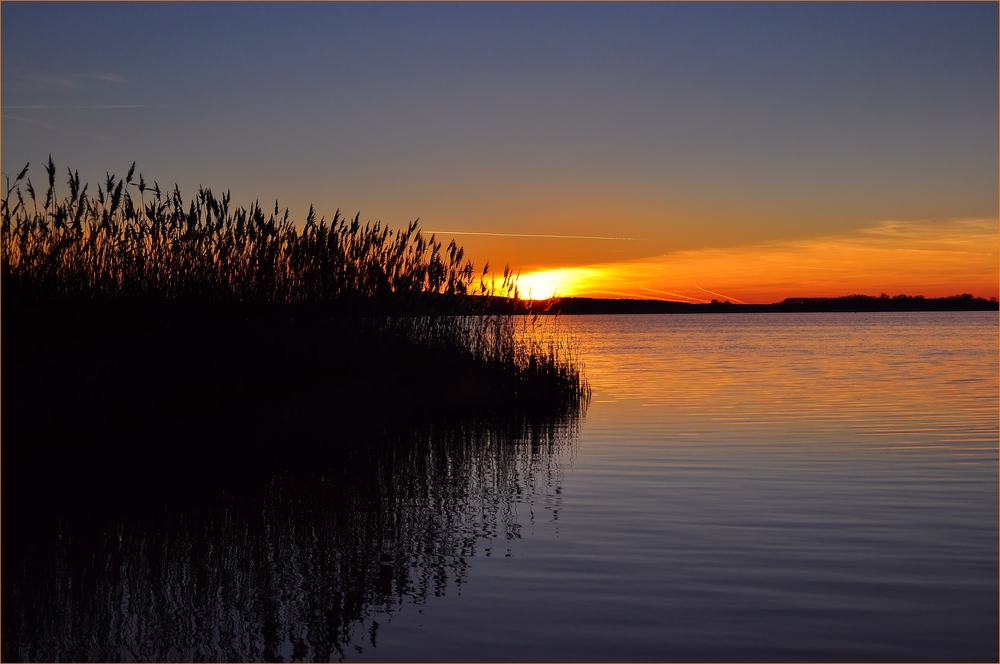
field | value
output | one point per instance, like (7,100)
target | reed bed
(138,300)
(530,348)
(133,241)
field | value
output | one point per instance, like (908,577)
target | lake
(741,487)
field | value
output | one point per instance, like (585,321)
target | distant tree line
(848,303)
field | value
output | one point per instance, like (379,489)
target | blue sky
(685,125)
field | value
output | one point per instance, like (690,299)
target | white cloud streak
(40,106)
(541,235)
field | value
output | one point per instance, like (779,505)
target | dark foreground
(804,487)
(166,359)
(150,450)
(240,560)
(92,377)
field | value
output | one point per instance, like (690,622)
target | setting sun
(920,258)
(500,331)
(562,282)
(540,285)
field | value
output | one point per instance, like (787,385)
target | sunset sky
(688,152)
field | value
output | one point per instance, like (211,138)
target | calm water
(742,487)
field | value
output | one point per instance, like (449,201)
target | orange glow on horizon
(933,260)
(541,285)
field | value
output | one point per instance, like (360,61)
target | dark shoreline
(582,306)
(155,398)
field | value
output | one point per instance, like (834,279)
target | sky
(682,151)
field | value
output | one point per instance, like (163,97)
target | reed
(207,283)
(161,246)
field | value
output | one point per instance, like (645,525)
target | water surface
(742,487)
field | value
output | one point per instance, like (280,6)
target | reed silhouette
(162,247)
(198,391)
(134,308)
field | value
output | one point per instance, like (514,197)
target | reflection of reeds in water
(297,570)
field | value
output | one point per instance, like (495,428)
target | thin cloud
(719,294)
(683,297)
(61,82)
(544,235)
(48,126)
(632,296)
(68,82)
(42,106)
(107,76)
(918,258)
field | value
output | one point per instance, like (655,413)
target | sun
(540,285)
(558,282)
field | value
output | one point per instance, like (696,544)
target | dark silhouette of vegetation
(194,390)
(157,246)
(963,302)
(133,308)
(849,303)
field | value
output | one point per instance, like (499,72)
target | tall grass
(134,241)
(214,285)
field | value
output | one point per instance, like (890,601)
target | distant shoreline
(579,306)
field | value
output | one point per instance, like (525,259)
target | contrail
(104,106)
(653,290)
(568,237)
(719,294)
(635,296)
